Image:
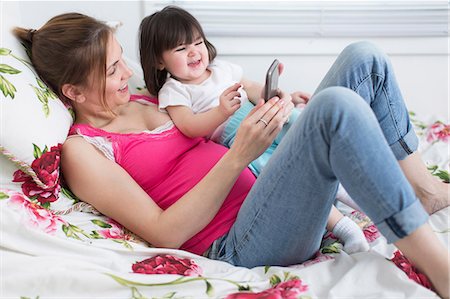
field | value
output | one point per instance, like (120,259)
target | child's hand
(230,100)
(300,98)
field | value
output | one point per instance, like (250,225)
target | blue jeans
(353,130)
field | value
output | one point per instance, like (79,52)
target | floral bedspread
(65,249)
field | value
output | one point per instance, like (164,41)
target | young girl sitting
(205,96)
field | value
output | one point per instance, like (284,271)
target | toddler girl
(207,97)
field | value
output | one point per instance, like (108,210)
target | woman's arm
(203,124)
(111,190)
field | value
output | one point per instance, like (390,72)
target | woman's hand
(288,106)
(258,130)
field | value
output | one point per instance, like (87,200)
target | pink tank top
(167,165)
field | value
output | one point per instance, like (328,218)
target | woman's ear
(73,92)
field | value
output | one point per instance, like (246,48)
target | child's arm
(204,124)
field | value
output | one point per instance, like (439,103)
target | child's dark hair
(162,31)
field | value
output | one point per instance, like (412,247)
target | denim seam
(395,227)
(399,135)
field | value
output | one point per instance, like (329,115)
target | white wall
(421,64)
(35,13)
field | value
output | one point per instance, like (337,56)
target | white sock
(351,235)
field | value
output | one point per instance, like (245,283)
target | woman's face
(188,62)
(117,74)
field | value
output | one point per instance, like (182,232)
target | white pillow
(34,122)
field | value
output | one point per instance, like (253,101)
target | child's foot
(351,235)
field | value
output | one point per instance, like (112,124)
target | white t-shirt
(204,96)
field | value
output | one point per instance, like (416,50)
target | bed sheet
(74,252)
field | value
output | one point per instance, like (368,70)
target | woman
(130,162)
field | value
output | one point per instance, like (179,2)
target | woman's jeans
(353,130)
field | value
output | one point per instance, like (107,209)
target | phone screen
(271,86)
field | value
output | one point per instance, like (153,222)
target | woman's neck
(97,118)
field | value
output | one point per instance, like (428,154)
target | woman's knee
(332,100)
(363,49)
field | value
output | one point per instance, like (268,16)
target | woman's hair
(162,31)
(68,49)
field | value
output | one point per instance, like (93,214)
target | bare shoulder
(76,151)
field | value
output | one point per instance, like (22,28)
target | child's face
(188,62)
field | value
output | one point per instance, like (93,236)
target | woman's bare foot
(435,200)
(433,193)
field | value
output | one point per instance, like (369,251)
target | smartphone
(271,87)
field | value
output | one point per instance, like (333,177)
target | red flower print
(438,132)
(290,289)
(37,216)
(167,264)
(405,265)
(46,168)
(371,233)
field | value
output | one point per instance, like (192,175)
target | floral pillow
(34,125)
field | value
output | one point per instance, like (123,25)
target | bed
(55,246)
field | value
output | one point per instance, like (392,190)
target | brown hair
(165,30)
(68,49)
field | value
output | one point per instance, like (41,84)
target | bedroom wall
(422,64)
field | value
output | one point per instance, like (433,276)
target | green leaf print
(4,51)
(4,68)
(37,153)
(332,248)
(169,295)
(3,196)
(41,84)
(440,173)
(8,89)
(95,235)
(209,289)
(44,95)
(42,92)
(274,279)
(182,280)
(101,223)
(69,194)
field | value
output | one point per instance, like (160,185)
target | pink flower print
(36,216)
(167,264)
(290,289)
(438,132)
(113,230)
